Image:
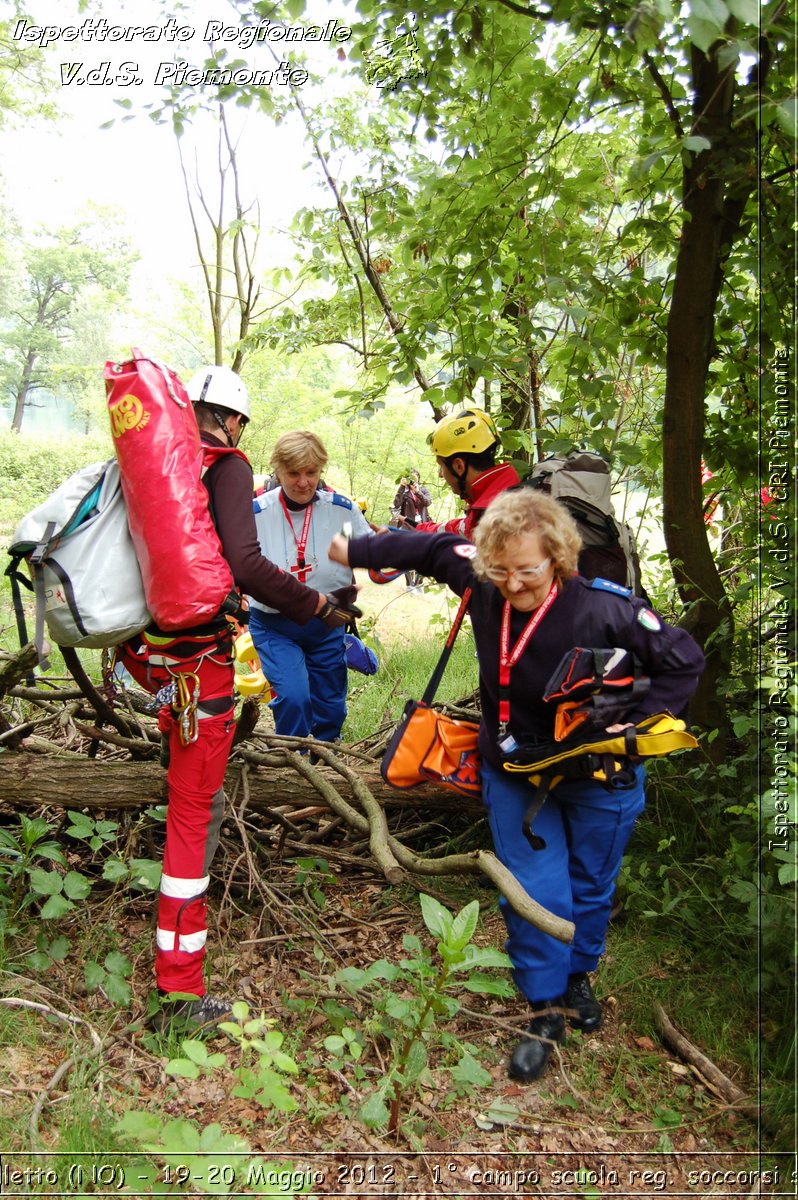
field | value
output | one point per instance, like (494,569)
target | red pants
(196,803)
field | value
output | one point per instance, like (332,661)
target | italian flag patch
(649,620)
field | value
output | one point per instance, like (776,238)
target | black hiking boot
(585,1010)
(191,1016)
(530,1057)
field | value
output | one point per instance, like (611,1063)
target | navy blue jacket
(589,613)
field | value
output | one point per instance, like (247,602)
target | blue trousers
(586,828)
(306,666)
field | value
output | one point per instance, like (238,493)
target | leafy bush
(31,468)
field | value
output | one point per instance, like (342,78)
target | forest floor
(616,1114)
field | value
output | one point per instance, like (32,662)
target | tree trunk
(30,780)
(21,398)
(691,322)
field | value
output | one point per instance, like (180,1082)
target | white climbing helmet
(219,387)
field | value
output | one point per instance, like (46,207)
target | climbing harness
(604,686)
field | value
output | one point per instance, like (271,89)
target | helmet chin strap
(217,416)
(461,479)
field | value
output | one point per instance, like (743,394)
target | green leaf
(643,27)
(94,975)
(469,1071)
(284,1062)
(273,1092)
(141,1126)
(145,874)
(437,919)
(373,1112)
(76,886)
(118,964)
(501,1112)
(45,883)
(697,144)
(788,873)
(703,34)
(745,10)
(80,825)
(787,116)
(416,1060)
(59,948)
(114,870)
(464,925)
(117,990)
(182,1068)
(714,11)
(56,907)
(485,956)
(195,1050)
(488,985)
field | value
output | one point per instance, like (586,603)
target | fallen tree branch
(451,864)
(379,836)
(719,1083)
(17,667)
(64,1068)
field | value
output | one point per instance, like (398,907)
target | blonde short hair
(516,513)
(297,450)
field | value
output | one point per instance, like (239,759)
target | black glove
(339,609)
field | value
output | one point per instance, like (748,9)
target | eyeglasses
(522,574)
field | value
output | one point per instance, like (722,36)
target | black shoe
(190,1016)
(585,1009)
(529,1058)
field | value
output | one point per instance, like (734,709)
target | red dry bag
(157,442)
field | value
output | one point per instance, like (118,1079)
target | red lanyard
(508,659)
(301,570)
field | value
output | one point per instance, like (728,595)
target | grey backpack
(83,568)
(581,481)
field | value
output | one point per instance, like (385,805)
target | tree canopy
(558,214)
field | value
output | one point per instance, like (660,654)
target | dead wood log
(30,780)
(16,667)
(33,781)
(706,1070)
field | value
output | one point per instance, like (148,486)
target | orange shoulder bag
(428,747)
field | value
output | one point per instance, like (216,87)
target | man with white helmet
(201,659)
(465,445)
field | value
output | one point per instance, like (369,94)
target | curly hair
(518,512)
(299,449)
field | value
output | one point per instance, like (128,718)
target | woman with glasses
(529,609)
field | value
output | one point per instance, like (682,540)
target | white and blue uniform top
(280,531)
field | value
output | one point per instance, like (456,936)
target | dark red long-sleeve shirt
(230,491)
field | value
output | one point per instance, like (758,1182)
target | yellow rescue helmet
(470,431)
